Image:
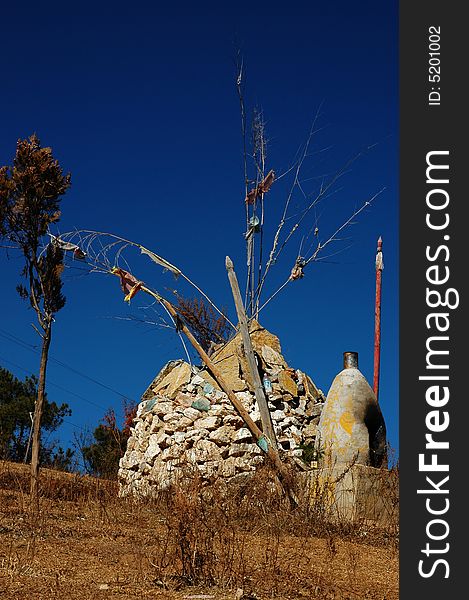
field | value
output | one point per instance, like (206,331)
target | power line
(16,340)
(55,384)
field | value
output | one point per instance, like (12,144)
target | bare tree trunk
(36,435)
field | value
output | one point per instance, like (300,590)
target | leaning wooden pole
(377,346)
(262,442)
(266,419)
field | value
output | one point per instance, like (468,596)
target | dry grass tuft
(224,542)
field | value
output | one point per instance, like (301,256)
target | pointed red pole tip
(380,244)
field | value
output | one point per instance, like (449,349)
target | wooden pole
(253,428)
(267,426)
(377,345)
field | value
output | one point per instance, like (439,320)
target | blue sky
(139,103)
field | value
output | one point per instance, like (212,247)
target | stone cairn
(185,419)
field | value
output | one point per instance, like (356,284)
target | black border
(424,128)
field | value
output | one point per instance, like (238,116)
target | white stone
(209,423)
(179,437)
(245,398)
(163,439)
(153,448)
(243,464)
(172,416)
(209,469)
(204,451)
(233,420)
(131,459)
(223,435)
(155,424)
(240,449)
(140,427)
(278,415)
(171,453)
(183,424)
(255,416)
(272,357)
(242,435)
(163,408)
(191,413)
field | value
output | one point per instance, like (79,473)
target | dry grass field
(191,543)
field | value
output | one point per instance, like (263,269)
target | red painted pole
(377,352)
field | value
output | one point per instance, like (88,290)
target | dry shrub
(240,534)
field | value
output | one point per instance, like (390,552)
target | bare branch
(301,263)
(100,261)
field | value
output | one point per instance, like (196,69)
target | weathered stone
(191,413)
(201,403)
(278,415)
(209,469)
(184,423)
(310,430)
(292,421)
(174,380)
(261,337)
(171,453)
(272,358)
(246,399)
(172,416)
(153,449)
(172,433)
(207,378)
(140,427)
(179,437)
(163,408)
(233,359)
(162,439)
(239,449)
(184,400)
(209,423)
(287,383)
(233,420)
(242,435)
(203,451)
(255,416)
(171,426)
(243,464)
(222,435)
(197,380)
(230,371)
(155,424)
(168,367)
(131,460)
(311,390)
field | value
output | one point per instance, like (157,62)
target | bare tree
(30,192)
(260,179)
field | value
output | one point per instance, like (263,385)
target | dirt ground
(86,543)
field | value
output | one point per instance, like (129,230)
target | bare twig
(319,248)
(100,260)
(272,255)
